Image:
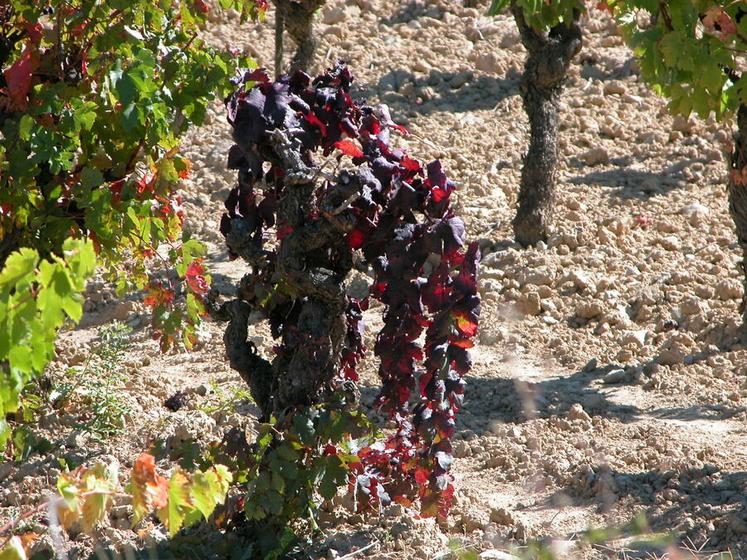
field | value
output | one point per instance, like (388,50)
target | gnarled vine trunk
(738,199)
(313,337)
(545,72)
(297,18)
(299,227)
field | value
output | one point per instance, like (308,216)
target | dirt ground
(608,381)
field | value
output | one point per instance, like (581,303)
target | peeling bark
(545,72)
(311,272)
(297,18)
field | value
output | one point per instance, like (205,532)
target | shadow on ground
(496,401)
(413,10)
(703,508)
(595,66)
(491,401)
(203,542)
(637,183)
(243,541)
(458,92)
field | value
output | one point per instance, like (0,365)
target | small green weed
(92,388)
(226,399)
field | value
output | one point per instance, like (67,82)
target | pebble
(531,304)
(590,366)
(595,156)
(695,213)
(636,338)
(202,390)
(501,516)
(474,520)
(589,310)
(462,449)
(675,349)
(422,66)
(535,278)
(624,356)
(581,280)
(728,289)
(577,412)
(490,63)
(193,427)
(614,376)
(333,15)
(614,87)
(460,79)
(670,243)
(572,216)
(692,306)
(76,440)
(683,124)
(76,358)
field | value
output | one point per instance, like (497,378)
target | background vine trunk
(545,72)
(297,18)
(738,200)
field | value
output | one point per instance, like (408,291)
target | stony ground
(608,381)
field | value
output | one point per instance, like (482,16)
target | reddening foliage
(85,496)
(387,210)
(94,98)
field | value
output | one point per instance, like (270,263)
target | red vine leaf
(313,119)
(464,324)
(19,76)
(349,148)
(356,239)
(196,280)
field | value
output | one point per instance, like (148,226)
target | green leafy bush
(94,98)
(689,52)
(693,54)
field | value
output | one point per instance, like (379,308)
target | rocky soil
(608,381)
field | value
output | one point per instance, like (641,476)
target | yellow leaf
(13,550)
(179,504)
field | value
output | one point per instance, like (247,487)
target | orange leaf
(465,325)
(149,489)
(349,148)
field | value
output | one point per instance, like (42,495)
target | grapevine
(321,190)
(551,33)
(692,53)
(94,98)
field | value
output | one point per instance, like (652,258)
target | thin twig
(279,28)
(342,207)
(353,554)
